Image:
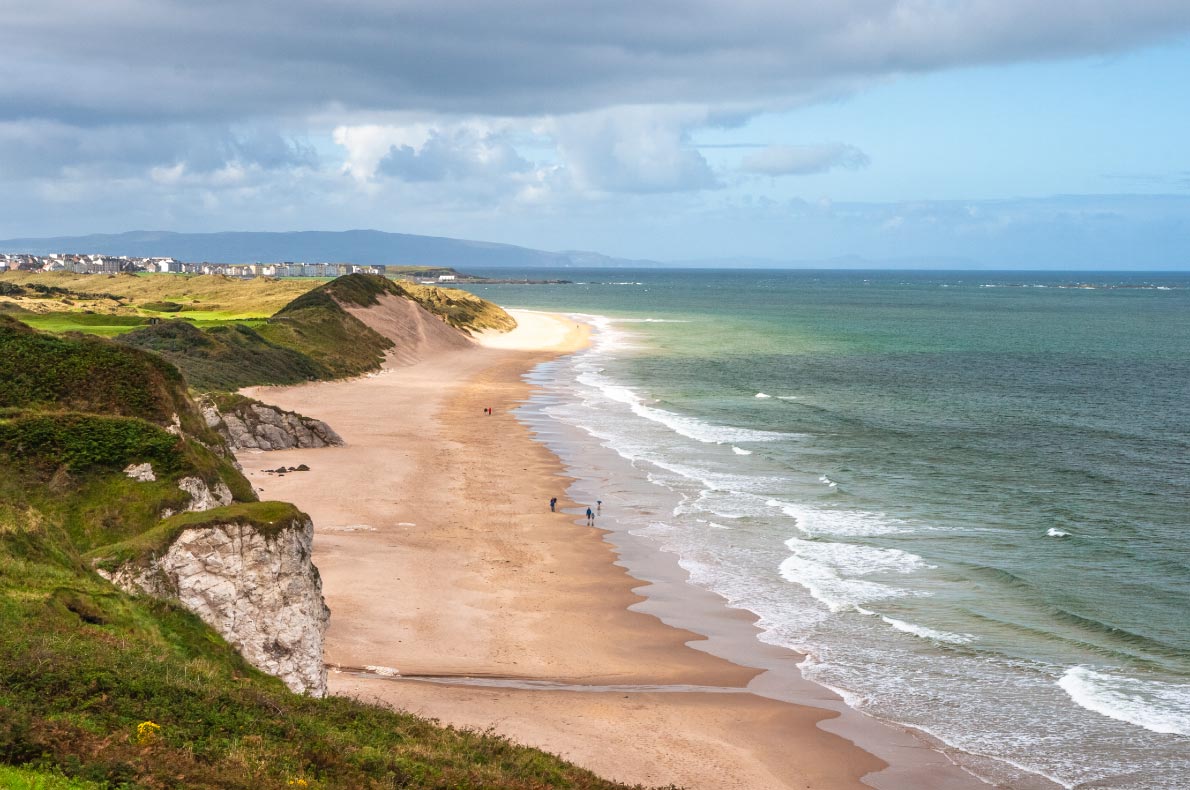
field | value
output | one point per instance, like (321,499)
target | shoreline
(534,601)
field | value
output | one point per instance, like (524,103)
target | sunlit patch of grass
(29,779)
(90,323)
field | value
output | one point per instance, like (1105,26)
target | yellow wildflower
(146,732)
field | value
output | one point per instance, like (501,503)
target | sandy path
(439,556)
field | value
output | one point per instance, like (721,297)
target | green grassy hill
(100,690)
(311,337)
(225,358)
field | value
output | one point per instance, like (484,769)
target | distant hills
(374,247)
(365,247)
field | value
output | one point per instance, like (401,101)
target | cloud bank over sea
(483,120)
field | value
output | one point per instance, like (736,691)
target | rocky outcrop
(204,497)
(257,588)
(251,425)
(142,473)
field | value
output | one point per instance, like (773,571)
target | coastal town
(120,264)
(95,263)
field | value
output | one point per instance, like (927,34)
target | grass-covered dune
(39,370)
(225,357)
(100,690)
(314,336)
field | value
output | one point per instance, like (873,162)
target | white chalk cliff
(258,589)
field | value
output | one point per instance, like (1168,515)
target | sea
(962,498)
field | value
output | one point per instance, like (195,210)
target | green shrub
(162,307)
(84,442)
(91,374)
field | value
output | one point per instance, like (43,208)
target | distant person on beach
(553,504)
(590,517)
(598,505)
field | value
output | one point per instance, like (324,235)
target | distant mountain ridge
(364,247)
(374,247)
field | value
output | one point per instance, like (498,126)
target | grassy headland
(100,690)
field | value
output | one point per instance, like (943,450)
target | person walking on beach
(553,504)
(598,505)
(590,517)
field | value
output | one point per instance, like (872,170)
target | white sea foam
(690,427)
(761,395)
(717,526)
(1154,705)
(920,630)
(725,504)
(740,450)
(840,523)
(830,571)
(1054,532)
(788,397)
(648,321)
(827,481)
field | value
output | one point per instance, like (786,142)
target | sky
(984,132)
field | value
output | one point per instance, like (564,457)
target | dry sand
(440,557)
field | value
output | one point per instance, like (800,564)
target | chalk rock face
(260,591)
(140,472)
(258,426)
(203,497)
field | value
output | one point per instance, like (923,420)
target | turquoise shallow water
(965,496)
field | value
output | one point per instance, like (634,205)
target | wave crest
(1153,705)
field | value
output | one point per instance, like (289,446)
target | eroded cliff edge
(247,424)
(246,571)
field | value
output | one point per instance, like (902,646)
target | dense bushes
(85,374)
(82,442)
(162,307)
(225,357)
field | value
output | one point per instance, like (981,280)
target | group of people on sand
(590,513)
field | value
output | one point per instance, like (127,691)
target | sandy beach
(456,594)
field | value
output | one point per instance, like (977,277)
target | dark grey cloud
(81,61)
(800,160)
(45,148)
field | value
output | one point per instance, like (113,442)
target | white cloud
(633,149)
(619,150)
(786,160)
(368,144)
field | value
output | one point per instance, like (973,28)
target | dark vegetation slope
(225,357)
(127,692)
(81,373)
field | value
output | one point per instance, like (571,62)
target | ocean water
(965,497)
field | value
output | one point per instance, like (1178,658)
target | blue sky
(996,133)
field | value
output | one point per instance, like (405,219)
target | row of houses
(80,264)
(117,264)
